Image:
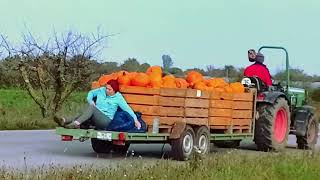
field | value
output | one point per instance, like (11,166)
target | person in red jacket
(258,69)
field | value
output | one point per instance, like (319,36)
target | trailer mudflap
(177,129)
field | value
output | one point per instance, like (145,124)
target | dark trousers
(93,115)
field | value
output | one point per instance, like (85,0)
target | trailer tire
(182,148)
(310,139)
(227,144)
(202,139)
(121,149)
(101,146)
(272,126)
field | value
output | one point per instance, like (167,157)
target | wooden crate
(223,112)
(231,113)
(243,109)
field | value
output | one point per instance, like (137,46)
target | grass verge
(19,111)
(232,165)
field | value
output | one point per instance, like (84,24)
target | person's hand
(137,124)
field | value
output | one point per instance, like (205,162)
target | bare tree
(53,69)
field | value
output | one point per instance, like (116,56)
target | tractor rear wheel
(272,125)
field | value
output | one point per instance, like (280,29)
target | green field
(19,111)
(230,165)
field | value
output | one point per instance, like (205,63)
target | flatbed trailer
(85,134)
(189,120)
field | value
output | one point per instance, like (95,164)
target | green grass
(232,165)
(19,111)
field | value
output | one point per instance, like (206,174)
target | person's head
(112,87)
(252,55)
(260,58)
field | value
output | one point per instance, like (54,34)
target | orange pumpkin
(217,83)
(210,88)
(169,84)
(141,79)
(170,78)
(228,89)
(155,80)
(154,69)
(104,79)
(237,87)
(200,86)
(132,75)
(219,90)
(168,81)
(193,77)
(121,73)
(181,83)
(124,79)
(95,85)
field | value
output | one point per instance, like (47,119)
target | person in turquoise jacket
(102,110)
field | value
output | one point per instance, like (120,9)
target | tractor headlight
(246,81)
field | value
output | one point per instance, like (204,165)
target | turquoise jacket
(109,104)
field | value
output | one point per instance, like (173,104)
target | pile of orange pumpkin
(153,79)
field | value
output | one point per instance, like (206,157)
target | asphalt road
(43,148)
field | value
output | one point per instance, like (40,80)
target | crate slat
(192,102)
(141,99)
(223,104)
(217,112)
(171,101)
(139,90)
(242,105)
(196,112)
(242,114)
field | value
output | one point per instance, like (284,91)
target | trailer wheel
(203,139)
(227,144)
(182,148)
(310,139)
(101,146)
(119,149)
(272,126)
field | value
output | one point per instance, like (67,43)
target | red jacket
(261,71)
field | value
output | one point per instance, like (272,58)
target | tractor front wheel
(310,139)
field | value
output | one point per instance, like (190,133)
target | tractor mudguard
(271,96)
(301,119)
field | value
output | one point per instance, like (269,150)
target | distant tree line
(11,77)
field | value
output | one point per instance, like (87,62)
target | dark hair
(114,84)
(251,50)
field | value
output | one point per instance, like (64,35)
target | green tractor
(282,110)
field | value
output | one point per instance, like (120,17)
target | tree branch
(29,87)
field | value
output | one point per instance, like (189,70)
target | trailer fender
(177,129)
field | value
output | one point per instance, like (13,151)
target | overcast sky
(195,33)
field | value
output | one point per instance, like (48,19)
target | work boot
(59,120)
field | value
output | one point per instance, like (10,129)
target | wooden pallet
(230,129)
